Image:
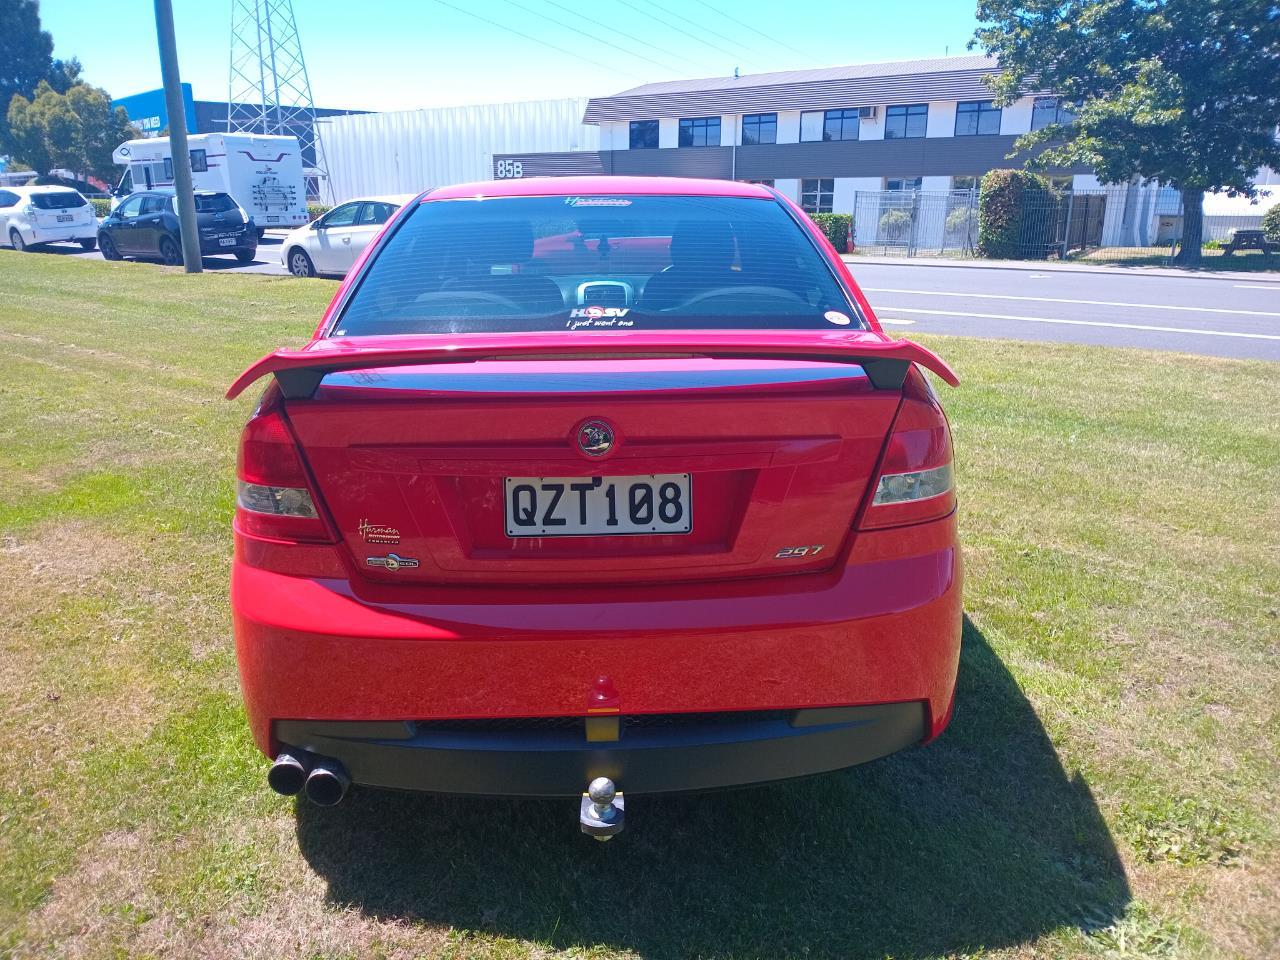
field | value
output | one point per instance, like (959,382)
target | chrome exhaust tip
(287,775)
(327,783)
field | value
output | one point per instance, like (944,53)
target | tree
(26,59)
(75,131)
(1186,92)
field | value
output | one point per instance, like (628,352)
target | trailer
(264,174)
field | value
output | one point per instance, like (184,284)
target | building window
(828,125)
(965,183)
(1047,110)
(902,183)
(907,120)
(759,128)
(700,132)
(1062,182)
(644,134)
(816,195)
(977,118)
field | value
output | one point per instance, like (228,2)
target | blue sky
(400,54)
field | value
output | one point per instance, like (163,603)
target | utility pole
(178,137)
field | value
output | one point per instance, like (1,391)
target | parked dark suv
(146,225)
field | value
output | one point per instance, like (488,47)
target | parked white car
(332,243)
(34,215)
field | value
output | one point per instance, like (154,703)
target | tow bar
(602,812)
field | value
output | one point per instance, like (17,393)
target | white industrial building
(406,151)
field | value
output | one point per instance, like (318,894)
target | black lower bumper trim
(557,761)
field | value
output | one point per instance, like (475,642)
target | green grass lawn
(1108,787)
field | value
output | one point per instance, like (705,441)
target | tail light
(915,482)
(274,498)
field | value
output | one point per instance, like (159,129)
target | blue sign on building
(147,111)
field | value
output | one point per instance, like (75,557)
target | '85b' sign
(509,169)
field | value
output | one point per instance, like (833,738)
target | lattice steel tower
(269,91)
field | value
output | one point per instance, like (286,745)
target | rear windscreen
(573,263)
(214,203)
(57,201)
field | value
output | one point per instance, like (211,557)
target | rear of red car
(595,478)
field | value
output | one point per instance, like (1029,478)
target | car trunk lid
(416,462)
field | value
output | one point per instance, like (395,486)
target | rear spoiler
(884,360)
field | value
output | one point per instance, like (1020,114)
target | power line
(519,33)
(675,27)
(729,16)
(704,27)
(623,33)
(561,23)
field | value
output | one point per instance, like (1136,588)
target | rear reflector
(273,493)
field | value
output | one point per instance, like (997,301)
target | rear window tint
(214,203)
(568,263)
(58,200)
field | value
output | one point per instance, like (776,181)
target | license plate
(65,218)
(598,506)
(227,241)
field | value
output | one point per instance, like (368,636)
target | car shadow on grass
(980,840)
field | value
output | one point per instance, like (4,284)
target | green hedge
(101,206)
(317,210)
(836,226)
(1271,224)
(1002,214)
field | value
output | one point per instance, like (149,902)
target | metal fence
(1127,223)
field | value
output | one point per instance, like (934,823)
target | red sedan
(608,481)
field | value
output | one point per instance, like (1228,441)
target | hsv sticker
(598,318)
(597,312)
(836,317)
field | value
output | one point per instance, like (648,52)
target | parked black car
(146,225)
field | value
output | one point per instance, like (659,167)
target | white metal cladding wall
(410,150)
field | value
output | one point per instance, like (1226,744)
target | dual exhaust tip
(323,781)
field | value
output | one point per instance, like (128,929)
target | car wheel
(89,244)
(300,264)
(246,256)
(170,252)
(16,241)
(109,251)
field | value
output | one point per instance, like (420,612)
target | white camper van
(263,174)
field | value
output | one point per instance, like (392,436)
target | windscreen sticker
(598,317)
(596,202)
(838,318)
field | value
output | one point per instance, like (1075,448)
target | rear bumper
(671,756)
(210,247)
(881,629)
(70,232)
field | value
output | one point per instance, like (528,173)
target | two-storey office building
(818,136)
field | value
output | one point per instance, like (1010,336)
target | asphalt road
(1218,316)
(267,261)
(1226,317)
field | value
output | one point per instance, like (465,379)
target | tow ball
(602,813)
